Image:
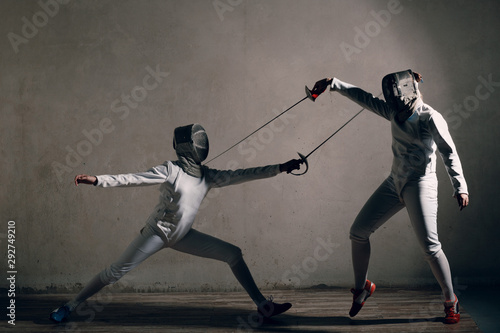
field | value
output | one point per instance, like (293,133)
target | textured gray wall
(78,96)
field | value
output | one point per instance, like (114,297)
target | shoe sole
(452,320)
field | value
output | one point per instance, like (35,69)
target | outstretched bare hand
(85,179)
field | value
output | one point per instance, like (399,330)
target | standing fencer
(418,131)
(183,185)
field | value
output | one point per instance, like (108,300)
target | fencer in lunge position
(183,185)
(418,132)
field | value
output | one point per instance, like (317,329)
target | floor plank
(314,310)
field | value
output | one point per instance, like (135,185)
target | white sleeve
(448,152)
(220,178)
(363,98)
(153,176)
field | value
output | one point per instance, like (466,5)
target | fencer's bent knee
(433,253)
(112,274)
(359,235)
(234,256)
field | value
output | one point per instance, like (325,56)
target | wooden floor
(314,310)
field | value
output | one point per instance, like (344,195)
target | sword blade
(258,129)
(331,136)
(341,127)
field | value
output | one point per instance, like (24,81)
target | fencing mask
(191,146)
(401,93)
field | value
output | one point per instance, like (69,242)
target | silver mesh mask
(401,93)
(191,142)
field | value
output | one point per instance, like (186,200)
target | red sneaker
(452,311)
(360,296)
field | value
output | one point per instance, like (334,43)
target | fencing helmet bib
(401,93)
(191,143)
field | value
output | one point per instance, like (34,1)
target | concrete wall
(78,96)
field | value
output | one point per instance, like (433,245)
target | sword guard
(304,159)
(310,95)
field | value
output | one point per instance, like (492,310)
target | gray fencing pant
(149,242)
(420,199)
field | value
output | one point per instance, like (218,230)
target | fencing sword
(304,158)
(309,95)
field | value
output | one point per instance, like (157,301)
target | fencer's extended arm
(220,178)
(363,98)
(448,152)
(153,176)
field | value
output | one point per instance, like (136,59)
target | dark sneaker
(268,308)
(60,314)
(360,296)
(452,311)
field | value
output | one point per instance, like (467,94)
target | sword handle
(304,159)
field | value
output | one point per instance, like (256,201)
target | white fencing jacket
(182,194)
(414,142)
